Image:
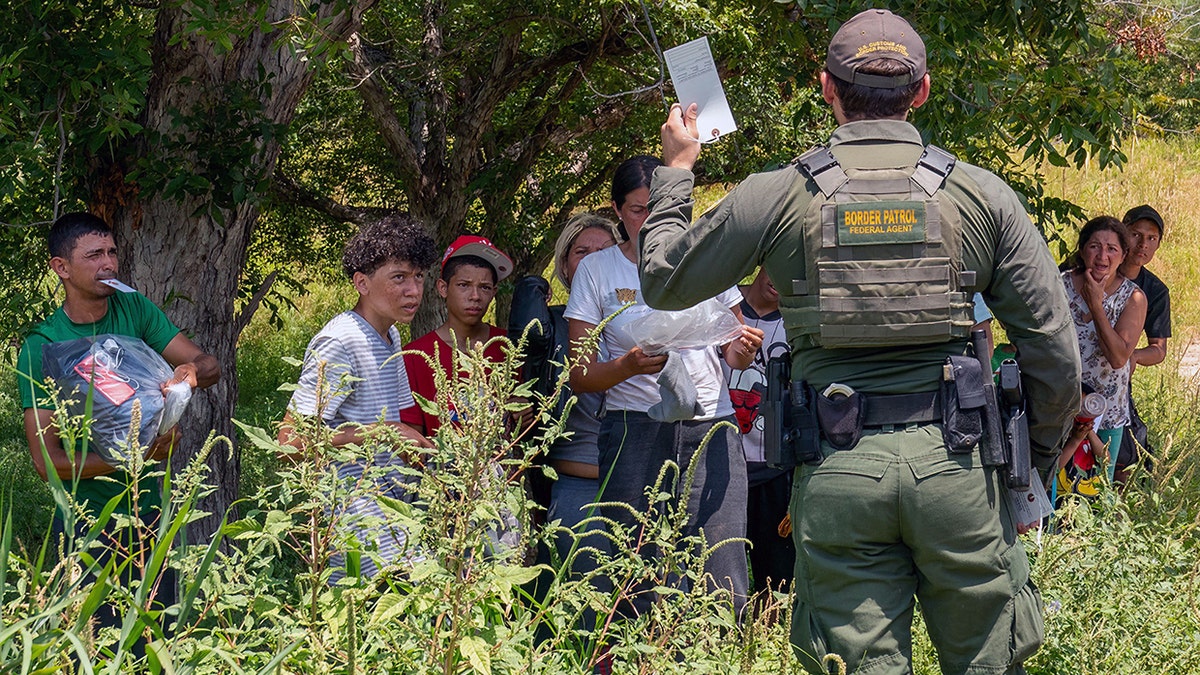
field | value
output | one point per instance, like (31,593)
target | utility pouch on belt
(806,432)
(841,418)
(963,402)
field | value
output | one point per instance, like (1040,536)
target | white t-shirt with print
(604,283)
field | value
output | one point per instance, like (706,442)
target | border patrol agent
(877,244)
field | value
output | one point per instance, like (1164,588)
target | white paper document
(694,75)
(1031,505)
(116,283)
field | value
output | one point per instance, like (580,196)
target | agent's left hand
(681,137)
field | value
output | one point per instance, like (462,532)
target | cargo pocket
(1028,629)
(808,639)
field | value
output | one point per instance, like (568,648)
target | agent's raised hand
(680,137)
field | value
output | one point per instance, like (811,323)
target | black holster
(806,432)
(790,432)
(1016,426)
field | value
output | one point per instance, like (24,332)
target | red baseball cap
(469,244)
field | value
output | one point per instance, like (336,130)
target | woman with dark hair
(631,193)
(641,430)
(1109,311)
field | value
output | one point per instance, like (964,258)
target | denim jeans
(571,498)
(633,450)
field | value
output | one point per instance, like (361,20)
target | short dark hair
(66,231)
(860,102)
(398,236)
(452,265)
(1093,226)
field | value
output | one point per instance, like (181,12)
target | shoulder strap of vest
(932,169)
(820,165)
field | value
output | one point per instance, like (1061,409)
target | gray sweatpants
(633,449)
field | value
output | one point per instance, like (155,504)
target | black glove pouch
(963,402)
(841,419)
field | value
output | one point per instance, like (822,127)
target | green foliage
(459,601)
(20,483)
(67,88)
(1118,580)
(1157,59)
(1123,572)
(104,557)
(110,106)
(1163,172)
(503,120)
(74,77)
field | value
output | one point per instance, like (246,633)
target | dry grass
(1166,175)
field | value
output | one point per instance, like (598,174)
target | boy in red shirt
(471,268)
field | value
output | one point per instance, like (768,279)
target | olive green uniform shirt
(761,221)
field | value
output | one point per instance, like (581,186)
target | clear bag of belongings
(116,370)
(708,324)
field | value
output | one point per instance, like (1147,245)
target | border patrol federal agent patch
(884,222)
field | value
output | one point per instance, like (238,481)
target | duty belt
(899,409)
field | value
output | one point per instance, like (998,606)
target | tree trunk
(445,206)
(185,248)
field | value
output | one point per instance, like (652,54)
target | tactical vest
(883,256)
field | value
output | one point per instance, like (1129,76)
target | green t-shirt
(129,314)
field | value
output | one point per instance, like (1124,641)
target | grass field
(1166,175)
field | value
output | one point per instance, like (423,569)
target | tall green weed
(462,600)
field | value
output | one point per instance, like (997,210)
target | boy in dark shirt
(1146,230)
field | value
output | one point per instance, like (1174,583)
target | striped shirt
(363,384)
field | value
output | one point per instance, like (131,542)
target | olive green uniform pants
(899,517)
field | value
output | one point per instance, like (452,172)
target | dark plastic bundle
(113,371)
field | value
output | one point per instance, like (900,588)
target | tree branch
(390,130)
(288,191)
(243,318)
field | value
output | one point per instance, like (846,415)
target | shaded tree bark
(183,244)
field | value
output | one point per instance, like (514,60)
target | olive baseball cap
(1144,212)
(872,35)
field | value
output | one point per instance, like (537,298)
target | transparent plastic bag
(708,324)
(117,370)
(174,403)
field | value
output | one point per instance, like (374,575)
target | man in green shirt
(84,256)
(902,509)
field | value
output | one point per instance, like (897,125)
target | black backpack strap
(820,165)
(932,169)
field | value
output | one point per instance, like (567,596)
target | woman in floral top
(1109,311)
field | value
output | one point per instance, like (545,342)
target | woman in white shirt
(634,445)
